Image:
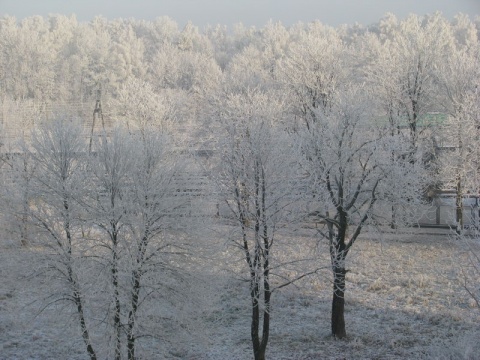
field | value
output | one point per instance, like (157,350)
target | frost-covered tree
(127,52)
(403,72)
(249,68)
(347,158)
(108,230)
(222,44)
(459,78)
(174,68)
(18,125)
(27,59)
(256,181)
(156,247)
(140,243)
(110,168)
(161,31)
(141,108)
(464,31)
(313,68)
(56,213)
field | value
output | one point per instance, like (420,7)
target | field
(403,301)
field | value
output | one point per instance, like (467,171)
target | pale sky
(248,12)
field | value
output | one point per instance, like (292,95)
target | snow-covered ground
(402,302)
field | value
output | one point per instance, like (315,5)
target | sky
(249,12)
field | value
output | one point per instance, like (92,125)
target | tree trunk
(116,313)
(259,344)
(77,298)
(76,294)
(116,295)
(393,224)
(254,331)
(131,317)
(259,347)
(260,353)
(338,252)
(338,303)
(266,328)
(24,226)
(134,301)
(85,333)
(459,206)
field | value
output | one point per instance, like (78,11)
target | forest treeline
(59,59)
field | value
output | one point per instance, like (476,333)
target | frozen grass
(402,302)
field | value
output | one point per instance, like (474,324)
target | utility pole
(97,113)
